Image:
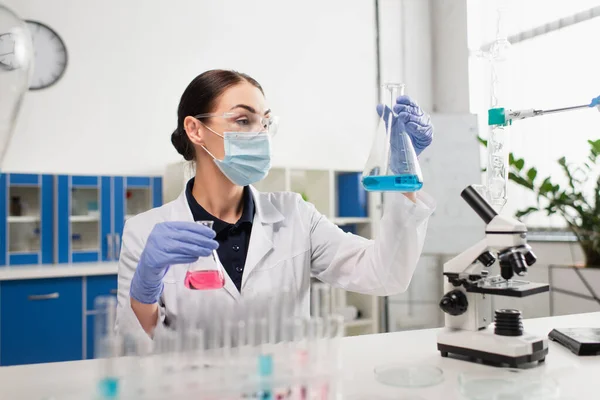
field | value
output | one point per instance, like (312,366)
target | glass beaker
(206,273)
(384,172)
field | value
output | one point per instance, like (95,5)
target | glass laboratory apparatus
(108,345)
(206,273)
(16,58)
(498,134)
(392,164)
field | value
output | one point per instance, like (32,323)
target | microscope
(467,303)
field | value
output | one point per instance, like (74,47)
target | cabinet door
(42,321)
(84,218)
(103,285)
(26,219)
(133,195)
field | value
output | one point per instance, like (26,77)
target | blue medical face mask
(247,156)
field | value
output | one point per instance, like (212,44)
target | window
(552,70)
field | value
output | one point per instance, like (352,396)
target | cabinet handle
(113,291)
(117,247)
(109,244)
(49,296)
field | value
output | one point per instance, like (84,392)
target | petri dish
(507,385)
(408,376)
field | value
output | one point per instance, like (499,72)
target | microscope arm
(464,261)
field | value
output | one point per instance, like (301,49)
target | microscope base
(486,347)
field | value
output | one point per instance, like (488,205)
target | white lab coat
(290,242)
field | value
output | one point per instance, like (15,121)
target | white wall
(115,108)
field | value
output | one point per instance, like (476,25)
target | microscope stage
(489,348)
(515,289)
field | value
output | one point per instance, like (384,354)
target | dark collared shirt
(233,238)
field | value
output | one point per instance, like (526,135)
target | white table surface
(57,270)
(578,377)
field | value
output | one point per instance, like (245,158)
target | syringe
(502,116)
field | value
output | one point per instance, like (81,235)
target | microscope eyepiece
(478,204)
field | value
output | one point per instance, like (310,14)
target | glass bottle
(392,164)
(206,273)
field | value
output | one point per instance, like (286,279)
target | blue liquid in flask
(396,183)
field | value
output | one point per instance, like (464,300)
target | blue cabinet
(91,213)
(104,285)
(26,219)
(83,209)
(68,219)
(351,196)
(41,320)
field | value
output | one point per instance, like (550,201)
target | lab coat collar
(266,211)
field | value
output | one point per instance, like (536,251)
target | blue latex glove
(169,243)
(412,119)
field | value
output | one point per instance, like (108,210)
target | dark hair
(199,98)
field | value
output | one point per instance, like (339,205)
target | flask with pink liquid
(206,273)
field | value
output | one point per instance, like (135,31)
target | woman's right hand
(168,244)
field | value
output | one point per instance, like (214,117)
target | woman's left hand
(411,118)
(416,122)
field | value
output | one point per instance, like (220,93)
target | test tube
(286,315)
(315,298)
(107,345)
(326,305)
(194,344)
(336,326)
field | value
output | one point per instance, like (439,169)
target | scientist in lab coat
(265,241)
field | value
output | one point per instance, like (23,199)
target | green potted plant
(579,206)
(580,210)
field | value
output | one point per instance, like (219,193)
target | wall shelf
(84,218)
(351,220)
(23,219)
(358,323)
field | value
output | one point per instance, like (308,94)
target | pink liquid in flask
(204,280)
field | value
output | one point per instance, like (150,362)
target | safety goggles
(246,122)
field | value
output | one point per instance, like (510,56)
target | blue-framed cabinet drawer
(41,320)
(91,213)
(26,219)
(96,286)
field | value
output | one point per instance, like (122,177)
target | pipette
(502,116)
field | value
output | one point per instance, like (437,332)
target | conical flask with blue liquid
(392,164)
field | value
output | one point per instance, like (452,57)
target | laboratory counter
(578,377)
(57,270)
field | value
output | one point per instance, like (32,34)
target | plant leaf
(519,164)
(531,174)
(511,159)
(546,187)
(522,213)
(520,180)
(482,141)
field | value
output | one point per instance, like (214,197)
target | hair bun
(182,144)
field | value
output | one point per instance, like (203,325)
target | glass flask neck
(390,92)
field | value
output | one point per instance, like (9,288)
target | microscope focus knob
(454,303)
